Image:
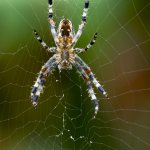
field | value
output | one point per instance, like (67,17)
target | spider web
(120,59)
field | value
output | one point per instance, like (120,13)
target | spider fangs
(65,55)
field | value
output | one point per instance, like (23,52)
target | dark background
(63,120)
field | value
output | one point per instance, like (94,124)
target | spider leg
(93,97)
(50,14)
(48,67)
(44,45)
(83,22)
(79,50)
(91,76)
(51,21)
(89,86)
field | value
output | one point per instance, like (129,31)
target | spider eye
(65,33)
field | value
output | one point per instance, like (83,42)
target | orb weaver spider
(65,55)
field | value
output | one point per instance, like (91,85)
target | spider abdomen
(65,59)
(65,55)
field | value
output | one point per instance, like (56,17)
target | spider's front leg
(48,67)
(83,22)
(51,21)
(89,86)
(91,75)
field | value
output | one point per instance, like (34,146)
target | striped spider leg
(88,76)
(48,67)
(51,22)
(89,86)
(43,44)
(82,24)
(91,75)
(93,40)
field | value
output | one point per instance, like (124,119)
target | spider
(65,55)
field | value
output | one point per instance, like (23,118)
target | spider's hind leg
(38,87)
(91,76)
(40,82)
(95,82)
(93,97)
(89,86)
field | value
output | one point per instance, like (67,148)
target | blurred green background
(63,120)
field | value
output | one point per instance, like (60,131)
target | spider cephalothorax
(65,55)
(65,28)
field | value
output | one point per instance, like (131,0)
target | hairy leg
(44,45)
(91,75)
(51,21)
(48,67)
(93,40)
(83,22)
(89,86)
